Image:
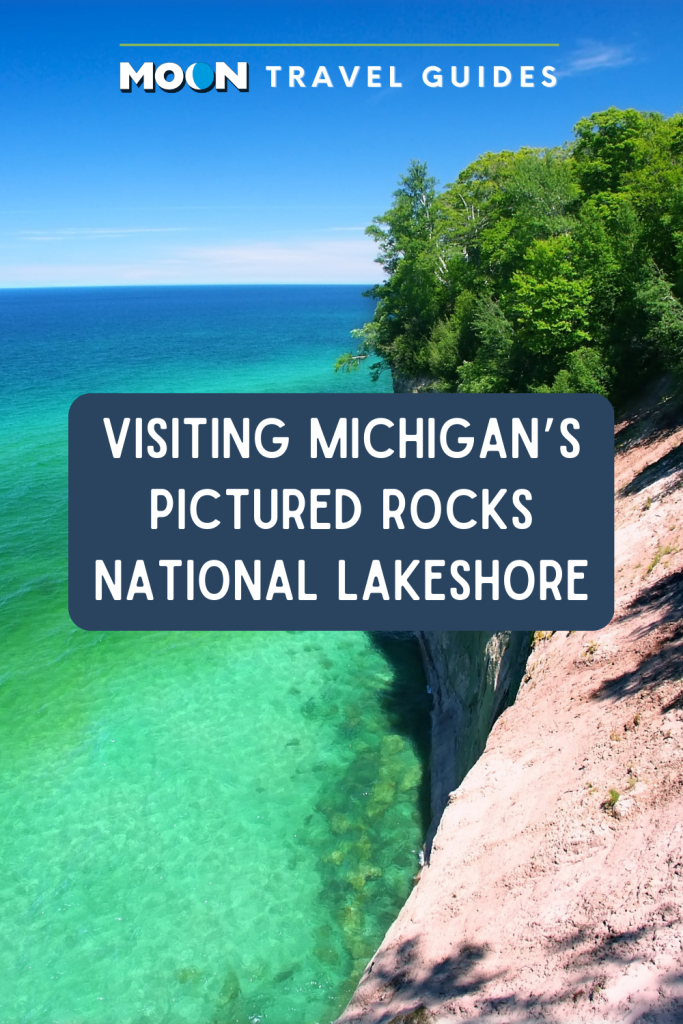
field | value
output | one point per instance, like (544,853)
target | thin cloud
(594,56)
(68,234)
(296,261)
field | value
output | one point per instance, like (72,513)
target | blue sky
(276,185)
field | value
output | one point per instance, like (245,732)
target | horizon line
(337,45)
(196,284)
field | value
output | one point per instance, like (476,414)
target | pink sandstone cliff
(554,887)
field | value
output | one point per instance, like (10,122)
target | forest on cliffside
(541,270)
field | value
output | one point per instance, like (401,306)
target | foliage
(540,270)
(612,799)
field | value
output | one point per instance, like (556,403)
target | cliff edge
(554,888)
(473,677)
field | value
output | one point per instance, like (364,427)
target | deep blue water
(65,342)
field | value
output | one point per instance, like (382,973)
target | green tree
(537,270)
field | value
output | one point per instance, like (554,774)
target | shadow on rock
(659,644)
(668,466)
(403,992)
(415,989)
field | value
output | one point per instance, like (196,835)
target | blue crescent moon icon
(200,77)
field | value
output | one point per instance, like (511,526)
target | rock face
(404,384)
(473,677)
(554,886)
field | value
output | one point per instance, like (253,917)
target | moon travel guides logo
(170,77)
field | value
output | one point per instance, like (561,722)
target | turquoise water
(194,827)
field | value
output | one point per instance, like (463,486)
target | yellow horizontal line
(337,45)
